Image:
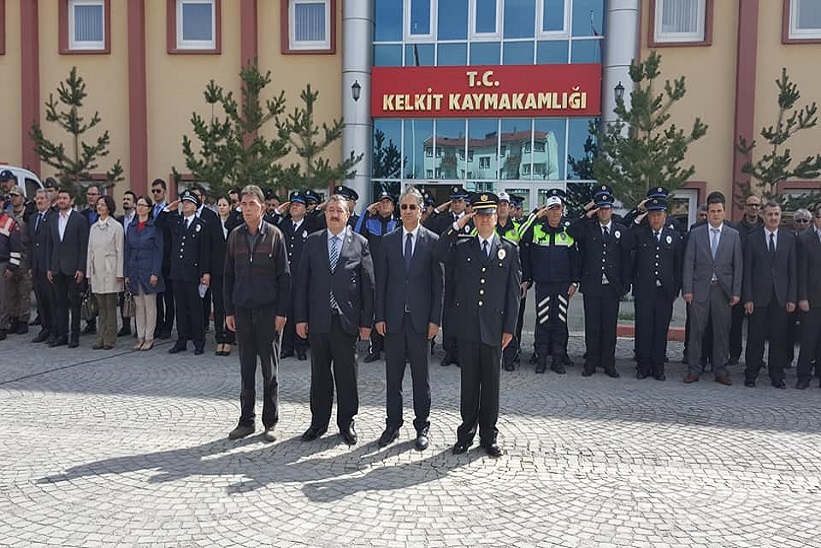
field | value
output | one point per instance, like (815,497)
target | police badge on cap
(484,203)
(188,196)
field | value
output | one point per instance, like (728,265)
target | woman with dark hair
(104,269)
(143,270)
(228,220)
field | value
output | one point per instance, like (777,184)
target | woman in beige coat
(105,269)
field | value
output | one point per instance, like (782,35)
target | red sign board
(486,91)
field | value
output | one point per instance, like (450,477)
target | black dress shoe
(199,351)
(749,384)
(22,328)
(612,373)
(588,371)
(780,384)
(558,367)
(640,375)
(493,450)
(286,354)
(422,441)
(509,367)
(58,341)
(177,348)
(541,367)
(124,330)
(388,436)
(733,360)
(90,329)
(447,360)
(313,432)
(567,361)
(802,385)
(41,337)
(660,377)
(349,435)
(74,342)
(534,358)
(370,358)
(36,321)
(301,356)
(3,335)
(163,335)
(461,447)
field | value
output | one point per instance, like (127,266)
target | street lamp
(356,90)
(619,91)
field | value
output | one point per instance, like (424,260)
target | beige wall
(10,145)
(106,79)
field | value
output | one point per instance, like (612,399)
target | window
(3,28)
(681,22)
(802,21)
(85,26)
(485,16)
(484,162)
(419,20)
(194,26)
(311,26)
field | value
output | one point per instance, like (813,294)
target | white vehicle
(26,180)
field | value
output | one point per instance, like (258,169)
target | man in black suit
(751,222)
(67,251)
(487,277)
(770,292)
(333,304)
(656,284)
(809,299)
(295,230)
(165,300)
(409,287)
(605,247)
(190,268)
(39,230)
(210,217)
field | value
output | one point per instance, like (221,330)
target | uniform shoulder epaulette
(508,240)
(464,236)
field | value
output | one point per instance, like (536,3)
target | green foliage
(776,163)
(75,162)
(308,141)
(641,149)
(387,159)
(231,151)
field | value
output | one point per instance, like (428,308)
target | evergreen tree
(81,158)
(775,165)
(387,160)
(641,149)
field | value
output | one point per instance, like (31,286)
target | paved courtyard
(102,448)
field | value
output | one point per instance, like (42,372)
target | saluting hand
(463,220)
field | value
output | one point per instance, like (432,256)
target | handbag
(129,306)
(88,307)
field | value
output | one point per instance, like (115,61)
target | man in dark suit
(295,231)
(409,287)
(711,284)
(656,283)
(770,292)
(605,247)
(333,304)
(190,268)
(67,251)
(809,299)
(39,230)
(210,217)
(165,300)
(487,277)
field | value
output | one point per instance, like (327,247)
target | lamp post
(619,91)
(356,90)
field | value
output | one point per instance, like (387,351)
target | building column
(745,79)
(621,47)
(137,99)
(357,47)
(29,81)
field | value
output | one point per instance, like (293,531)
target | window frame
(656,40)
(2,27)
(174,44)
(473,34)
(65,14)
(288,45)
(790,34)
(553,34)
(412,38)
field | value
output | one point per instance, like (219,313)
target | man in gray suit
(711,284)
(409,287)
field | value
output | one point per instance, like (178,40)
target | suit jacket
(762,275)
(68,255)
(699,264)
(294,240)
(190,248)
(352,282)
(485,288)
(809,266)
(419,288)
(38,241)
(611,256)
(657,263)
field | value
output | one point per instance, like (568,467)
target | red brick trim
(708,29)
(2,27)
(248,41)
(284,32)
(171,31)
(743,124)
(800,184)
(62,32)
(29,80)
(786,12)
(137,99)
(700,187)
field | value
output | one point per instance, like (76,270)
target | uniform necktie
(408,250)
(485,247)
(334,257)
(713,241)
(604,231)
(772,245)
(187,224)
(658,236)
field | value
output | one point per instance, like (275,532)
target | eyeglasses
(753,205)
(156,190)
(802,221)
(412,207)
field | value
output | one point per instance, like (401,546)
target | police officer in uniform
(550,259)
(352,197)
(605,249)
(190,268)
(485,303)
(295,230)
(657,267)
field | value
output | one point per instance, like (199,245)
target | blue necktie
(334,257)
(408,250)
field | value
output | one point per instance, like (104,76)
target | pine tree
(81,158)
(774,166)
(641,149)
(387,160)
(308,141)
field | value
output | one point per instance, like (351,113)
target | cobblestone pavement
(103,448)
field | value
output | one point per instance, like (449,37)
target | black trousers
(449,344)
(258,340)
(767,322)
(401,347)
(221,334)
(480,371)
(377,343)
(512,350)
(810,343)
(653,314)
(189,313)
(44,293)
(206,309)
(165,306)
(68,296)
(736,328)
(601,313)
(333,362)
(551,319)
